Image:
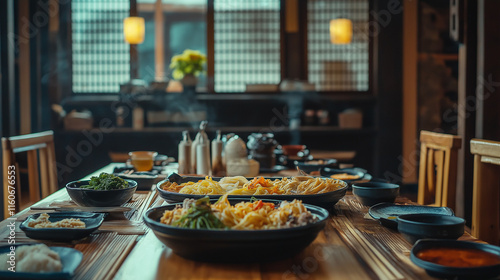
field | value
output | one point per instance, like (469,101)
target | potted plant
(187,66)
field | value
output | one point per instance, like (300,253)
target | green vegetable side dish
(200,216)
(106,182)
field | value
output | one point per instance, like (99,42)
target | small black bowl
(145,180)
(315,165)
(96,198)
(228,245)
(419,226)
(92,222)
(449,272)
(372,193)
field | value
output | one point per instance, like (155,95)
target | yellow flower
(177,74)
(189,62)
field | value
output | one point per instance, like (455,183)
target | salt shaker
(202,158)
(185,154)
(217,166)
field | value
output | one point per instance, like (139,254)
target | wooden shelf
(88,100)
(225,129)
(438,56)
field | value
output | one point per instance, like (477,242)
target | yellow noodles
(207,186)
(300,185)
(250,215)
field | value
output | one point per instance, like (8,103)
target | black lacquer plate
(362,173)
(145,180)
(235,246)
(387,213)
(325,200)
(92,222)
(448,272)
(70,259)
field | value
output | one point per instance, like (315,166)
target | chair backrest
(437,179)
(486,190)
(41,173)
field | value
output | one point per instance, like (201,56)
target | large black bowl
(372,193)
(441,271)
(419,226)
(92,222)
(235,245)
(325,200)
(96,198)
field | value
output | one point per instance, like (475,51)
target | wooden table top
(352,246)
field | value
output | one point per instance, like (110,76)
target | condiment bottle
(217,166)
(185,154)
(194,151)
(202,157)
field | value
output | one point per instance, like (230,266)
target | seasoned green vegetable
(106,182)
(199,216)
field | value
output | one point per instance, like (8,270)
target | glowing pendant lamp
(133,30)
(341,31)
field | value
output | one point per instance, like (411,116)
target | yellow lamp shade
(340,31)
(133,30)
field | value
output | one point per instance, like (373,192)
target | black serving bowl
(449,272)
(96,198)
(315,165)
(145,180)
(92,222)
(235,245)
(372,193)
(419,226)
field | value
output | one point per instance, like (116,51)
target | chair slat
(42,170)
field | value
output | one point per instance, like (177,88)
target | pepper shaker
(217,166)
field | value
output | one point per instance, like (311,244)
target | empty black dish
(419,226)
(70,260)
(145,180)
(359,172)
(325,200)
(315,164)
(235,245)
(97,198)
(449,272)
(387,213)
(371,193)
(92,222)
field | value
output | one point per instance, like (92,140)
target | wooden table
(352,246)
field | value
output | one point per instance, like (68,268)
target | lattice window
(101,57)
(247,43)
(338,67)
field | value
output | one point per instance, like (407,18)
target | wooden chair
(37,145)
(486,190)
(438,169)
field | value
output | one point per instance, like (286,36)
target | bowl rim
(133,182)
(404,218)
(230,232)
(375,186)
